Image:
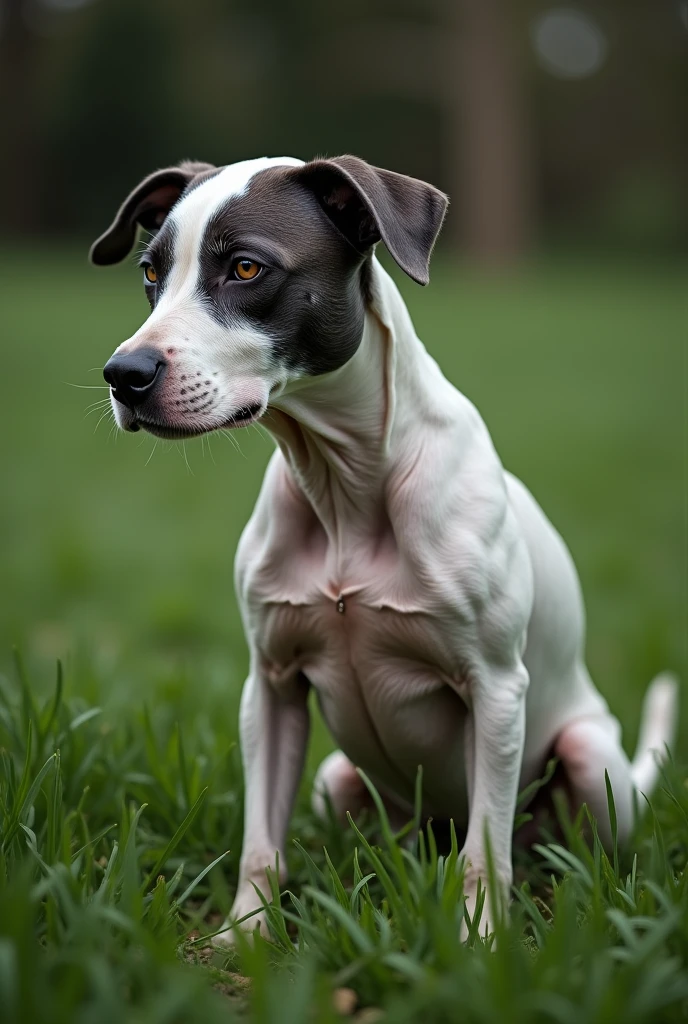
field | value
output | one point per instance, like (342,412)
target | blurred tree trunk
(467,60)
(488,147)
(19,212)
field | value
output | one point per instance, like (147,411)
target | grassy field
(116,557)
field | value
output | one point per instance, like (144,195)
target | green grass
(118,560)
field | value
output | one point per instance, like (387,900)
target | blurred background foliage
(557,301)
(545,123)
(557,304)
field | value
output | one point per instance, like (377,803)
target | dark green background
(118,557)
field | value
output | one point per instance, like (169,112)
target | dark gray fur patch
(160,254)
(312,228)
(310,296)
(148,207)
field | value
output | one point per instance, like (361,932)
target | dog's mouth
(179,432)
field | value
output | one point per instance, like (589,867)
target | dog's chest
(380,647)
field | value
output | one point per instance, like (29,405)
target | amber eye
(149,274)
(246,270)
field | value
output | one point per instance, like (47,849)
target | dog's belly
(383,680)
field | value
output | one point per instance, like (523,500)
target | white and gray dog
(391,563)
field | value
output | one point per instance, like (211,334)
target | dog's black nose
(132,377)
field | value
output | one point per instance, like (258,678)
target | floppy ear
(367,204)
(147,206)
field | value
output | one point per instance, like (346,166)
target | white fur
(238,361)
(394,565)
(461,643)
(192,214)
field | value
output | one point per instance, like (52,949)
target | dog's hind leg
(587,748)
(338,782)
(590,745)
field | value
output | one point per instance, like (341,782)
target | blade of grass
(175,840)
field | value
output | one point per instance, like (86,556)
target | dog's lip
(182,431)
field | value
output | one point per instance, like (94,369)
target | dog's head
(256,275)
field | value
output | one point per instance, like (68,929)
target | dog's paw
(227,939)
(486,923)
(494,904)
(246,902)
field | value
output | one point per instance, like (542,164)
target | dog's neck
(343,433)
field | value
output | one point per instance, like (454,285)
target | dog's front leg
(498,735)
(274,736)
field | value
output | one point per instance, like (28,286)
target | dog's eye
(149,274)
(246,270)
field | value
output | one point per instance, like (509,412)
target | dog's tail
(657,731)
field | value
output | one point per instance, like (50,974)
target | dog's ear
(367,204)
(147,206)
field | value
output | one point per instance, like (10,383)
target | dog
(391,564)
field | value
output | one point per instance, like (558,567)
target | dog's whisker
(233,439)
(210,450)
(260,430)
(87,387)
(185,457)
(96,406)
(102,417)
(151,454)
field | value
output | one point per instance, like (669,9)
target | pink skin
(392,565)
(437,616)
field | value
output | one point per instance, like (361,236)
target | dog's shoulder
(279,524)
(448,481)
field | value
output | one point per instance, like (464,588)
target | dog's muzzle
(134,376)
